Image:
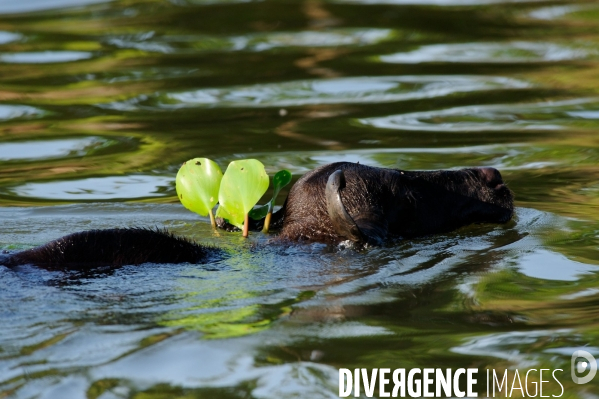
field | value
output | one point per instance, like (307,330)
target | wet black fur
(114,248)
(391,202)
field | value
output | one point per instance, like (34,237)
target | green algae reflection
(233,321)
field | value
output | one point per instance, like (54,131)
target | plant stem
(246,225)
(266,222)
(212,221)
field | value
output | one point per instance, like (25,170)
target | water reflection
(554,12)
(449,3)
(208,2)
(32,150)
(7,37)
(548,266)
(195,44)
(44,57)
(18,111)
(7,7)
(552,115)
(96,189)
(494,52)
(340,91)
(332,91)
(102,101)
(515,156)
(507,346)
(229,368)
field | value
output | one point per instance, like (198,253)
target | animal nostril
(492,177)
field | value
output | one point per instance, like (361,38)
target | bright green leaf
(281,179)
(198,182)
(242,186)
(221,212)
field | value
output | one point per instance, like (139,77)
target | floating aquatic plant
(198,183)
(280,180)
(201,185)
(243,184)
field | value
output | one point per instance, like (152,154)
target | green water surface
(101,102)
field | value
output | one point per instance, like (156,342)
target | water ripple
(7,37)
(96,188)
(300,162)
(44,57)
(547,265)
(349,90)
(18,111)
(448,3)
(506,345)
(193,44)
(553,115)
(10,7)
(49,149)
(554,12)
(492,53)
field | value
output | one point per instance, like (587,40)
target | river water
(101,101)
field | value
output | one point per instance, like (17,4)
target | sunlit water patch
(330,91)
(227,368)
(342,91)
(509,346)
(503,156)
(31,226)
(44,57)
(554,115)
(552,266)
(209,2)
(95,188)
(493,52)
(449,3)
(47,149)
(18,111)
(7,37)
(151,73)
(8,7)
(252,42)
(554,12)
(141,41)
(338,37)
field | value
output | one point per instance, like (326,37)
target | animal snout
(492,178)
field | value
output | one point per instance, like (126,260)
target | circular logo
(581,366)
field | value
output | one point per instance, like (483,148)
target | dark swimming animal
(112,248)
(333,203)
(364,204)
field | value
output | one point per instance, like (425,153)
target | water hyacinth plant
(198,184)
(243,184)
(201,185)
(281,179)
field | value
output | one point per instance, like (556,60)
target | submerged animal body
(333,203)
(113,248)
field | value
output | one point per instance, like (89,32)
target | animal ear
(368,225)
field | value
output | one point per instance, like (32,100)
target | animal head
(444,200)
(479,190)
(367,204)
